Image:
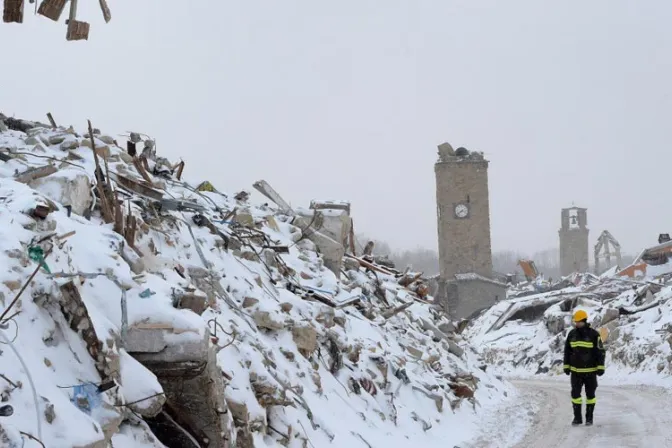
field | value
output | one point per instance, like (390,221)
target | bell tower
(463,212)
(573,241)
(463,215)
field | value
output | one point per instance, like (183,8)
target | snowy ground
(540,416)
(523,340)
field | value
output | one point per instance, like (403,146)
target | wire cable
(38,418)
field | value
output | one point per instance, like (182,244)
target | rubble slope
(526,335)
(141,279)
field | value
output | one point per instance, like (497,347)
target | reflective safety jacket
(584,351)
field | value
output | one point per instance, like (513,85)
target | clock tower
(463,214)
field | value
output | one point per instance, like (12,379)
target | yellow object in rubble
(604,334)
(580,315)
(206,186)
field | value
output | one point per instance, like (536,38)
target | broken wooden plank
(77,30)
(129,232)
(278,249)
(106,11)
(139,188)
(394,311)
(66,235)
(118,217)
(142,170)
(407,279)
(312,295)
(35,173)
(100,183)
(52,9)
(49,116)
(370,266)
(13,12)
(180,168)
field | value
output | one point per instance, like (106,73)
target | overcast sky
(348,99)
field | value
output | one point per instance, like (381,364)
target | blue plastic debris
(86,397)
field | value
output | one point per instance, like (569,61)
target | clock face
(461,211)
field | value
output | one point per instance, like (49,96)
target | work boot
(577,415)
(589,414)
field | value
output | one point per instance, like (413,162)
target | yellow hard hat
(580,315)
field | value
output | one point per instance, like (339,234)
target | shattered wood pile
(246,324)
(53,9)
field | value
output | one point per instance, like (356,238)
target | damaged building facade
(463,212)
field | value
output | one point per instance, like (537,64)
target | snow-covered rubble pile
(526,335)
(306,359)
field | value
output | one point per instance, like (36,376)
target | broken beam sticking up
(106,11)
(13,12)
(52,9)
(77,30)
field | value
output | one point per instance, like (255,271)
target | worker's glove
(600,372)
(566,371)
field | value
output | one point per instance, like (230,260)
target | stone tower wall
(464,244)
(574,250)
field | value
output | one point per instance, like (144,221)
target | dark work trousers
(579,380)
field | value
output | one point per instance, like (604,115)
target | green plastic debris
(36,253)
(147,293)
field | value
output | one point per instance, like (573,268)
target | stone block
(150,346)
(305,338)
(609,315)
(71,190)
(266,320)
(197,304)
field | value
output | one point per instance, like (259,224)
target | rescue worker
(584,361)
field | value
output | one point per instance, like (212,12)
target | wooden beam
(51,117)
(371,266)
(35,173)
(139,188)
(106,11)
(100,184)
(52,9)
(77,30)
(13,12)
(142,170)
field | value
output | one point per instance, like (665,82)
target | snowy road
(625,416)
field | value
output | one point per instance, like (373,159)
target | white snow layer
(387,410)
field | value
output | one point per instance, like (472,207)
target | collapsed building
(153,312)
(525,334)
